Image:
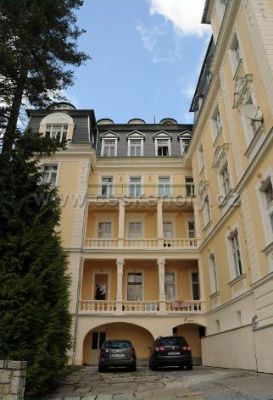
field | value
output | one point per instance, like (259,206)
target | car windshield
(172,341)
(117,345)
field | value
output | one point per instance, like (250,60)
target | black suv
(117,353)
(170,351)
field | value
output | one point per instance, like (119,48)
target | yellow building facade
(169,227)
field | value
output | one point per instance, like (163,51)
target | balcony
(112,191)
(153,306)
(149,243)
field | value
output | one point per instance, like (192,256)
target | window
(57,132)
(135,147)
(135,186)
(170,286)
(201,157)
(236,255)
(251,117)
(163,147)
(107,186)
(135,230)
(225,179)
(189,186)
(104,230)
(236,55)
(49,173)
(191,229)
(167,230)
(267,208)
(195,286)
(217,122)
(164,186)
(206,210)
(184,143)
(134,286)
(109,147)
(212,273)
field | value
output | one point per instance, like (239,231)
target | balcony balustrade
(152,306)
(150,243)
(110,191)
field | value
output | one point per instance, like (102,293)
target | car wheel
(181,367)
(189,367)
(132,368)
(101,369)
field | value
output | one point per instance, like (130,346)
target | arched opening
(193,334)
(140,337)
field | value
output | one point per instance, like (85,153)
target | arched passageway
(192,333)
(141,338)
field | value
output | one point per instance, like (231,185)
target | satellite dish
(253,112)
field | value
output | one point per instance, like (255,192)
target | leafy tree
(34,290)
(37,44)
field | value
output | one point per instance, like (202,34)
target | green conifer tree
(34,290)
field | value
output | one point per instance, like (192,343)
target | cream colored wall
(182,270)
(96,216)
(191,333)
(148,219)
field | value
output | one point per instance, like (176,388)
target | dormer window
(135,147)
(184,140)
(162,147)
(57,132)
(109,147)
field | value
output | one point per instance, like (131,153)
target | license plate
(174,353)
(117,355)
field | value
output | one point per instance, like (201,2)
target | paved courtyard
(202,383)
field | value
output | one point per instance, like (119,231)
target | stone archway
(141,338)
(192,333)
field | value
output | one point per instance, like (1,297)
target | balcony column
(161,280)
(160,238)
(121,223)
(120,264)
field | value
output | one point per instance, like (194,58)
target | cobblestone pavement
(202,383)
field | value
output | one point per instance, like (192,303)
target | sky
(146,57)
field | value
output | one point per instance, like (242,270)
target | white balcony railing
(182,243)
(187,306)
(176,306)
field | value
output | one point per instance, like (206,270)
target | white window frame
(110,185)
(217,124)
(165,186)
(130,140)
(191,221)
(103,142)
(201,158)
(98,229)
(53,164)
(192,271)
(206,210)
(141,229)
(165,222)
(233,256)
(213,273)
(251,129)
(225,179)
(55,131)
(167,139)
(265,207)
(142,283)
(174,285)
(184,145)
(235,53)
(132,185)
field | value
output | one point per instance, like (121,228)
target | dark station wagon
(117,353)
(170,351)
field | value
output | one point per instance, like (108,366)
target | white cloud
(185,15)
(152,39)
